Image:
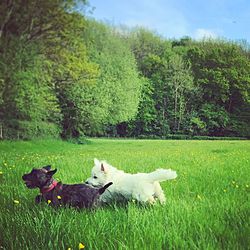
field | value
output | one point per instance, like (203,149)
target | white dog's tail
(162,175)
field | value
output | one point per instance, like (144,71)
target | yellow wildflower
(16,201)
(1,172)
(69,248)
(198,197)
(49,201)
(59,197)
(81,246)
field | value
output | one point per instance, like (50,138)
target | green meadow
(207,205)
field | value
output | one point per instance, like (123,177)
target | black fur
(76,195)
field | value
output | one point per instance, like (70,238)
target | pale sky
(228,19)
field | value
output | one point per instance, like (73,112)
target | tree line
(62,74)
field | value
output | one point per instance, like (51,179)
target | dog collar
(49,188)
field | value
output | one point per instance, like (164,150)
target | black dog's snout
(86,182)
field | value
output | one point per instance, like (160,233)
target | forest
(64,74)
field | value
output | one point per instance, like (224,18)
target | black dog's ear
(52,172)
(47,167)
(102,189)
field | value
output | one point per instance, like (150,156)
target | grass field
(207,205)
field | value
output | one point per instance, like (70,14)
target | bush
(189,137)
(178,137)
(80,140)
(26,130)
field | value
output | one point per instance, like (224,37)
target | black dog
(57,194)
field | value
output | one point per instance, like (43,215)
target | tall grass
(207,205)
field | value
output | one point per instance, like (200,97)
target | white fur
(143,187)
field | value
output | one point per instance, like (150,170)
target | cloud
(159,16)
(205,33)
(175,19)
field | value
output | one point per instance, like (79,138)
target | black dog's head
(39,177)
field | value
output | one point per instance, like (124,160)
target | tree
(42,55)
(29,106)
(144,121)
(221,71)
(181,83)
(170,78)
(114,97)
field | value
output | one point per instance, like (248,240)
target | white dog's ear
(104,169)
(96,161)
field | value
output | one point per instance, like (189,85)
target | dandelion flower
(59,197)
(198,197)
(69,248)
(16,201)
(49,201)
(1,172)
(81,246)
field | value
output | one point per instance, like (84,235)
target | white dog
(143,187)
